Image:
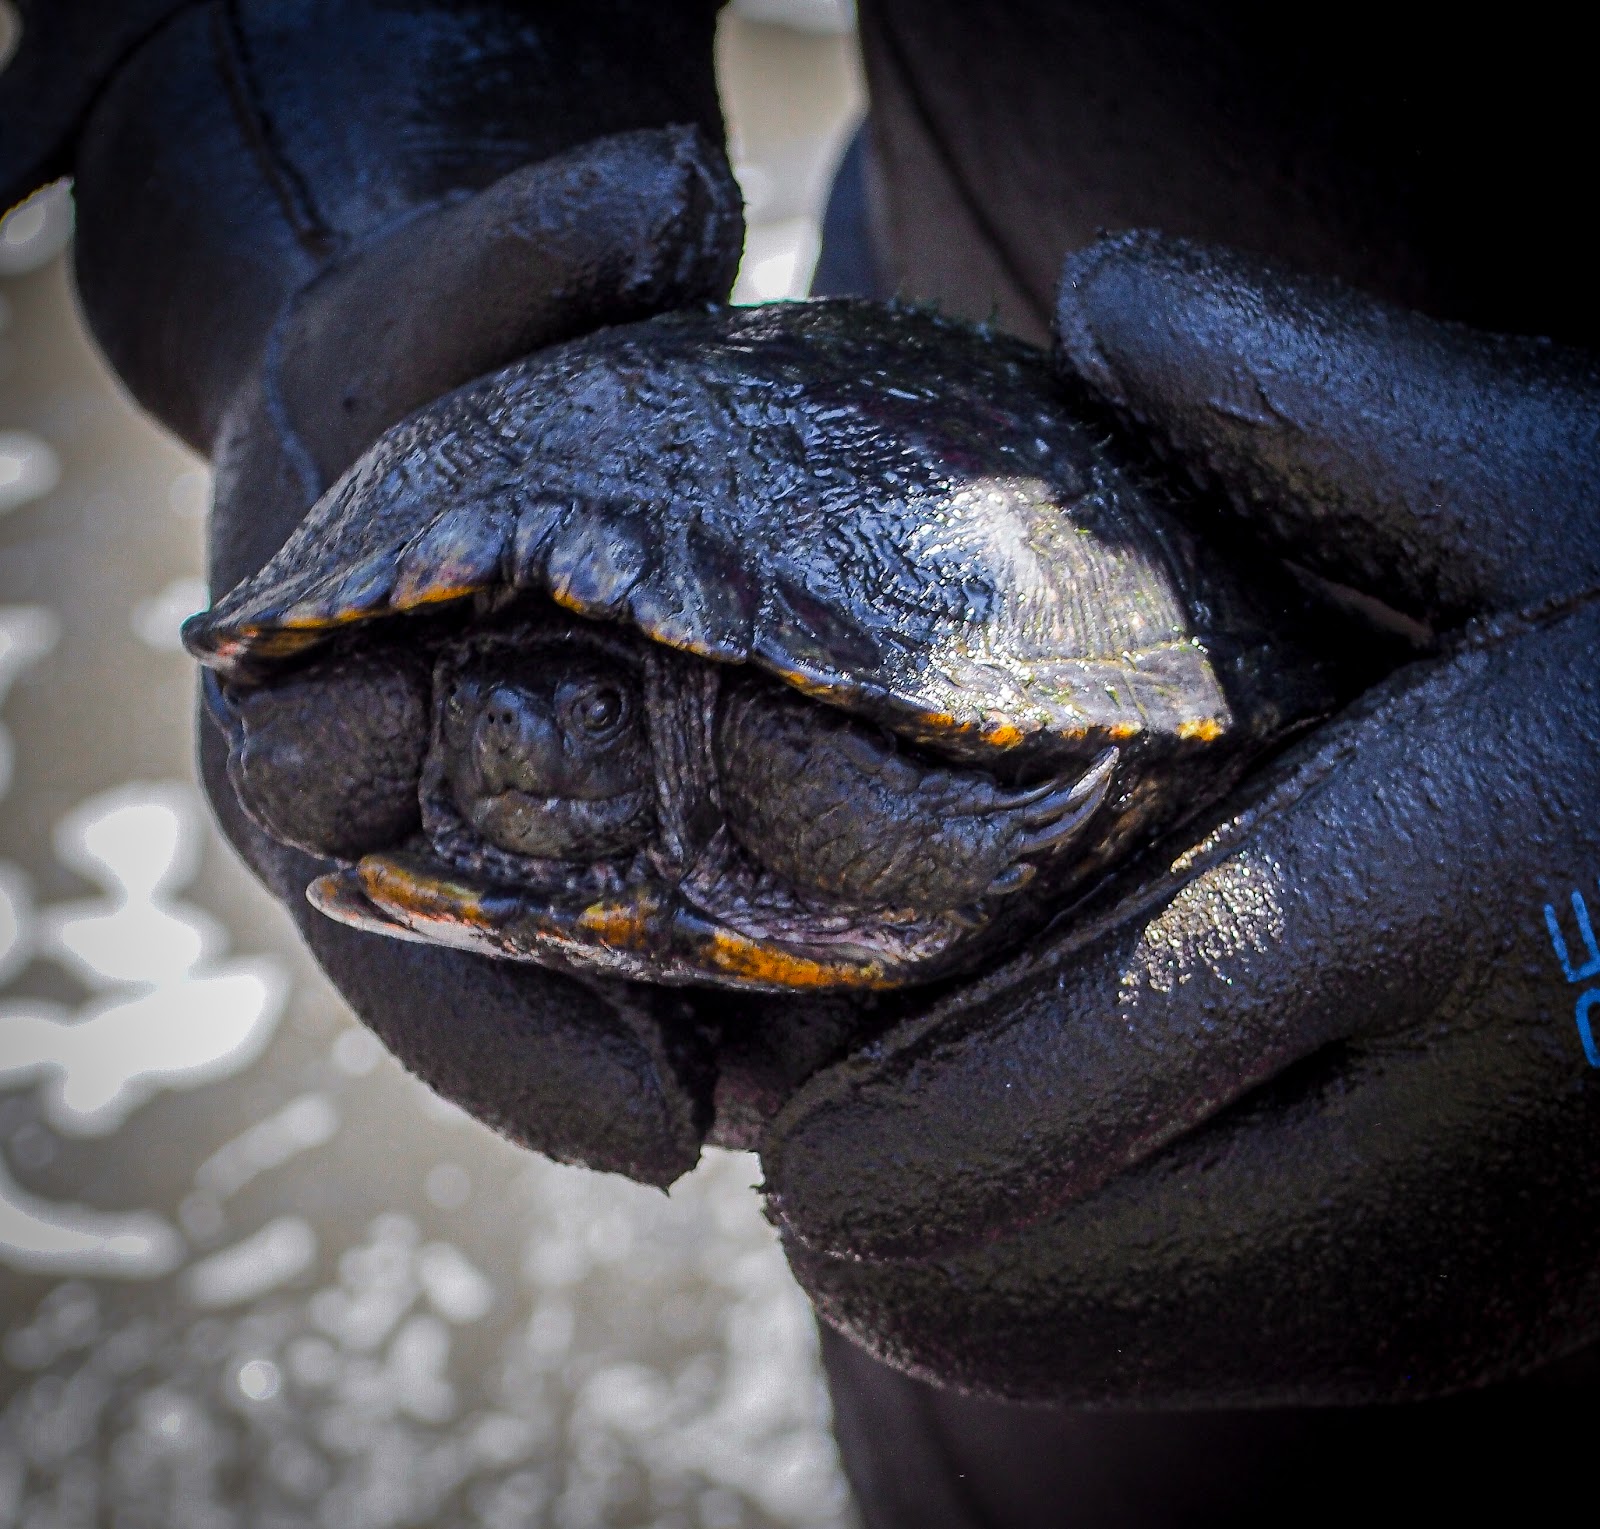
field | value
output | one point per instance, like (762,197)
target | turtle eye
(596,708)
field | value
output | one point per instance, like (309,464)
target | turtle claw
(1041,805)
(1056,819)
(1013,879)
(1031,796)
(1048,810)
(1060,833)
(1094,781)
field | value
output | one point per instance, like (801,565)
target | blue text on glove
(1588,1001)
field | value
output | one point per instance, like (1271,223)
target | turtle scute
(879,507)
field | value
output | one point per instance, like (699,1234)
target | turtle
(801,645)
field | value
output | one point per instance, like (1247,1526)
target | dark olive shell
(890,511)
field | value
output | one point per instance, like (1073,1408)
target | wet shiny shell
(887,510)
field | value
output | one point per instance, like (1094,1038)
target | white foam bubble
(259,1380)
(35,231)
(170,1015)
(27,633)
(158,621)
(415,1366)
(280,1251)
(103,1061)
(52,1237)
(454,1287)
(304,1123)
(29,468)
(16,920)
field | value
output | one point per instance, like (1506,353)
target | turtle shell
(885,509)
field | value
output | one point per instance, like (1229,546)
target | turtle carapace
(809,645)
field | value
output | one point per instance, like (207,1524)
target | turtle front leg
(832,806)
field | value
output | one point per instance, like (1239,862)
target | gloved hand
(289,237)
(1309,1114)
(598,1073)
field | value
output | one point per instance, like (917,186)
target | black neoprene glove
(1310,1116)
(294,230)
(591,1072)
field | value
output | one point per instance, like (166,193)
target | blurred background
(250,1273)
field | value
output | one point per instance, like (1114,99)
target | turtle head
(543,749)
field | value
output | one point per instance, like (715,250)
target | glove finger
(1445,472)
(612,231)
(1407,850)
(608,1075)
(63,57)
(1402,1221)
(603,1074)
(609,232)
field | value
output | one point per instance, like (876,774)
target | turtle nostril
(515,743)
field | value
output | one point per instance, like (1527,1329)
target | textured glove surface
(1305,1117)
